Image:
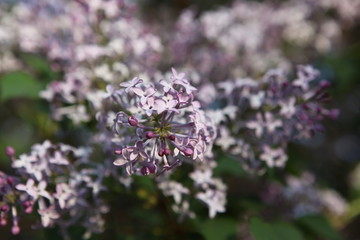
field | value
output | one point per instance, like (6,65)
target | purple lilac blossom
(163,123)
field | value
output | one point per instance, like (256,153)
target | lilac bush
(168,103)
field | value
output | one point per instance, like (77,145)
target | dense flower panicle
(248,38)
(270,113)
(93,42)
(162,127)
(300,196)
(57,181)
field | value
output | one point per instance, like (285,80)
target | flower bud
(10,180)
(148,169)
(334,113)
(324,84)
(150,134)
(29,209)
(161,152)
(4,208)
(188,151)
(133,121)
(171,137)
(167,151)
(10,152)
(15,230)
(118,151)
(3,221)
(145,171)
(28,206)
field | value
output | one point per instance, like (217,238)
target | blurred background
(331,160)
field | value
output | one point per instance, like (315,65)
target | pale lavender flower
(257,125)
(131,85)
(34,191)
(273,157)
(288,108)
(48,214)
(173,189)
(214,198)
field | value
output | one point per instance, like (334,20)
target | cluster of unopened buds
(164,126)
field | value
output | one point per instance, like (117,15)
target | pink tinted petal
(143,100)
(138,91)
(125,84)
(181,75)
(172,103)
(42,185)
(120,162)
(150,91)
(160,105)
(151,101)
(196,105)
(149,112)
(129,169)
(21,187)
(133,156)
(176,151)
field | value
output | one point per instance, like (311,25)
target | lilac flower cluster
(56,181)
(266,115)
(92,42)
(162,127)
(249,38)
(301,197)
(206,188)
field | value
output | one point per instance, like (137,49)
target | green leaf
(261,230)
(218,229)
(274,231)
(320,226)
(353,209)
(19,84)
(228,165)
(36,62)
(287,231)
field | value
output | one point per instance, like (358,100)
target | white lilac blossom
(211,190)
(288,111)
(161,127)
(174,189)
(92,42)
(56,180)
(208,189)
(248,37)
